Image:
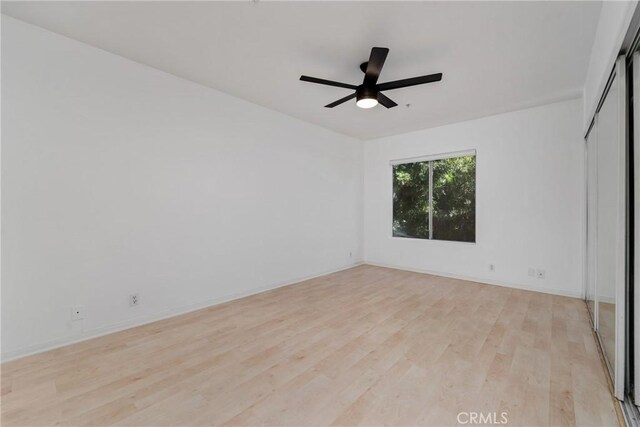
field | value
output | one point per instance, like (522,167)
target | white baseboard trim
(520,286)
(608,300)
(161,315)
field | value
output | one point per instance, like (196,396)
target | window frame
(432,158)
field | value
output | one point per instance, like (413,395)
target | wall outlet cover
(134,299)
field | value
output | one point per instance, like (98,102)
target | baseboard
(551,291)
(143,320)
(608,300)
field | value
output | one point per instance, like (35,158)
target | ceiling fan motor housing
(366,92)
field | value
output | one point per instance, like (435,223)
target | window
(435,199)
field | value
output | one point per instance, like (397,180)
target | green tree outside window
(451,199)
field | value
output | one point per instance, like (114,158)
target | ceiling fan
(369,93)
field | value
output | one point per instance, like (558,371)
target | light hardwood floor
(366,346)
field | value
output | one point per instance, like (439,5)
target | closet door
(610,243)
(592,230)
(636,215)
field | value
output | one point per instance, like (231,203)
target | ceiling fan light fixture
(369,93)
(366,97)
(367,102)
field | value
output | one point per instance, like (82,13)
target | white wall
(529,202)
(118,179)
(615,17)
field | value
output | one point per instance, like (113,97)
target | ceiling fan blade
(341,100)
(410,82)
(374,66)
(382,99)
(326,82)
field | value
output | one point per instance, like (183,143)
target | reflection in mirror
(607,201)
(591,222)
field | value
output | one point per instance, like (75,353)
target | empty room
(320,213)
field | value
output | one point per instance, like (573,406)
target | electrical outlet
(134,299)
(532,272)
(492,267)
(540,274)
(77,312)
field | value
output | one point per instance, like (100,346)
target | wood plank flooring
(365,346)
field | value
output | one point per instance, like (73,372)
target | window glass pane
(411,200)
(454,199)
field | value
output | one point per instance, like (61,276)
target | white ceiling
(495,56)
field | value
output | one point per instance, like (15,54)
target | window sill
(432,240)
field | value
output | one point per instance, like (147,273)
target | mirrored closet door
(592,180)
(606,207)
